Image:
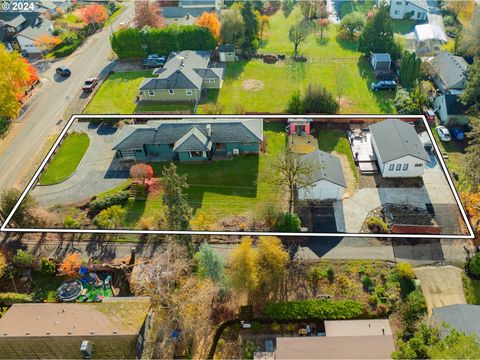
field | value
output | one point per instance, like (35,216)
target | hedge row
(314,309)
(65,50)
(104,203)
(12,298)
(135,43)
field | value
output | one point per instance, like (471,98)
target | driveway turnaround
(441,286)
(98,171)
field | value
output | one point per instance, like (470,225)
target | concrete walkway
(98,171)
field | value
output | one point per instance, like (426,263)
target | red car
(430,116)
(90,84)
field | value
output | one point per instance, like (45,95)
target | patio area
(302,144)
(362,150)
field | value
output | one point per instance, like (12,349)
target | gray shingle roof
(182,78)
(463,318)
(449,68)
(396,139)
(175,12)
(170,131)
(226,48)
(420,3)
(210,73)
(193,140)
(190,58)
(325,167)
(382,57)
(32,32)
(454,106)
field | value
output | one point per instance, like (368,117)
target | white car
(443,133)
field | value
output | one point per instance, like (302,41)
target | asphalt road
(25,143)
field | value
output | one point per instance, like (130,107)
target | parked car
(90,84)
(63,71)
(443,133)
(458,134)
(429,115)
(156,57)
(153,63)
(384,85)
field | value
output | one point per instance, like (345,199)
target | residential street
(23,145)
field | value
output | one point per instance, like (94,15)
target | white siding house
(326,181)
(409,9)
(398,148)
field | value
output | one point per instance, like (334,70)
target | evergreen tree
(472,157)
(377,36)
(210,265)
(250,20)
(178,211)
(471,95)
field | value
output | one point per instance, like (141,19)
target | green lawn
(66,160)
(46,287)
(348,6)
(336,140)
(117,93)
(157,107)
(403,26)
(472,290)
(222,188)
(278,81)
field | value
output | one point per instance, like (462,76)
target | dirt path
(441,286)
(349,177)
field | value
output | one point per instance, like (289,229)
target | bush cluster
(474,265)
(135,43)
(377,225)
(12,298)
(47,266)
(104,203)
(314,309)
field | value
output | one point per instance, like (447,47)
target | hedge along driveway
(66,160)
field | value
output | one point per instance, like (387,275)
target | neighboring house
(183,78)
(398,149)
(380,61)
(189,140)
(449,72)
(461,317)
(18,31)
(429,38)
(226,53)
(450,110)
(116,327)
(344,339)
(409,9)
(187,12)
(53,8)
(326,182)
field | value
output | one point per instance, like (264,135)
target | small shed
(226,53)
(380,61)
(326,181)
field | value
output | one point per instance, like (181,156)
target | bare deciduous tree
(148,13)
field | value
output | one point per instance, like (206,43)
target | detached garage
(326,182)
(380,61)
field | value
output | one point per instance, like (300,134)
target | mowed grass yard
(240,186)
(66,159)
(331,63)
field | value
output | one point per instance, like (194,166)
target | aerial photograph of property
(239,179)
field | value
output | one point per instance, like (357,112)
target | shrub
(23,258)
(382,310)
(368,284)
(314,309)
(108,201)
(474,265)
(12,298)
(272,216)
(290,223)
(316,273)
(275,327)
(405,271)
(377,225)
(449,20)
(256,327)
(213,109)
(4,124)
(47,266)
(412,310)
(70,223)
(127,43)
(330,274)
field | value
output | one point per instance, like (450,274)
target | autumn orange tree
(211,22)
(471,201)
(33,78)
(47,42)
(70,265)
(94,15)
(141,172)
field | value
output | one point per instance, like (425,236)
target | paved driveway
(441,286)
(98,171)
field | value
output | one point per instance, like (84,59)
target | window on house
(151,92)
(412,13)
(248,143)
(405,167)
(399,3)
(397,12)
(220,146)
(171,145)
(171,92)
(418,165)
(419,15)
(188,92)
(196,154)
(128,153)
(391,167)
(398,167)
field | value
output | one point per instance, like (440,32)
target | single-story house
(380,61)
(343,339)
(116,327)
(449,72)
(226,53)
(189,139)
(398,149)
(461,317)
(326,180)
(429,38)
(183,78)
(186,12)
(409,9)
(450,110)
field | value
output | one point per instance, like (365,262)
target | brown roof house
(345,339)
(113,329)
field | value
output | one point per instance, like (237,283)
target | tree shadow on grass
(347,44)
(135,210)
(235,69)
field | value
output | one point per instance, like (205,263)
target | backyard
(66,159)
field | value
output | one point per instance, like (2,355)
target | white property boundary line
(4,227)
